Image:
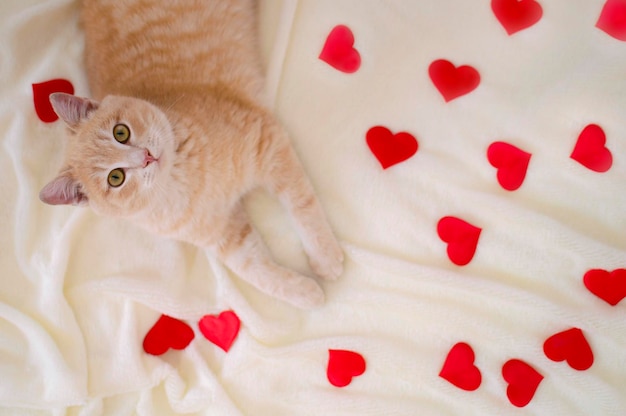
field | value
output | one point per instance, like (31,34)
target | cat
(178,133)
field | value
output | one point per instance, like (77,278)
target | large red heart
(523,382)
(453,82)
(41,97)
(459,368)
(167,333)
(612,20)
(608,286)
(462,238)
(511,162)
(591,151)
(339,51)
(389,148)
(516,15)
(571,346)
(221,330)
(344,365)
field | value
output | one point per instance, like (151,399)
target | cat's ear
(63,190)
(72,109)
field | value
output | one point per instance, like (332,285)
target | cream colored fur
(185,78)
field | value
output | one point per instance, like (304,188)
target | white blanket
(480,278)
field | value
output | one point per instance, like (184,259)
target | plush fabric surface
(471,156)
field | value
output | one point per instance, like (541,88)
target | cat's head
(118,153)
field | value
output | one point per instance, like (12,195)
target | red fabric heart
(390,149)
(590,150)
(167,333)
(462,238)
(570,346)
(608,286)
(41,97)
(344,365)
(516,15)
(221,330)
(453,82)
(523,382)
(511,162)
(459,368)
(612,20)
(339,51)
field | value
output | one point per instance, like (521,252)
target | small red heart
(389,148)
(511,162)
(221,330)
(167,333)
(459,368)
(523,382)
(339,51)
(516,15)
(343,366)
(453,82)
(41,97)
(590,150)
(462,238)
(570,346)
(608,286)
(612,20)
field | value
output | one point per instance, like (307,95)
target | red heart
(453,82)
(459,368)
(608,286)
(590,150)
(516,15)
(221,330)
(390,148)
(343,366)
(612,20)
(462,238)
(523,382)
(41,97)
(339,52)
(167,333)
(511,162)
(571,346)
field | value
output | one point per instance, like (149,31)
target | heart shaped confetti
(459,368)
(608,286)
(41,97)
(511,163)
(453,82)
(462,238)
(339,51)
(612,19)
(516,15)
(523,382)
(221,330)
(570,346)
(590,150)
(390,149)
(343,366)
(167,333)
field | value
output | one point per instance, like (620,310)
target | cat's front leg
(287,179)
(243,251)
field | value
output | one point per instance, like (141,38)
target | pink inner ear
(71,109)
(63,190)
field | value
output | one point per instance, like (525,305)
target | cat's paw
(326,259)
(302,292)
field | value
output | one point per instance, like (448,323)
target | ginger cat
(178,133)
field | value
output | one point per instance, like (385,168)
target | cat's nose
(148,158)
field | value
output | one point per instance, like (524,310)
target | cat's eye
(121,132)
(116,177)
